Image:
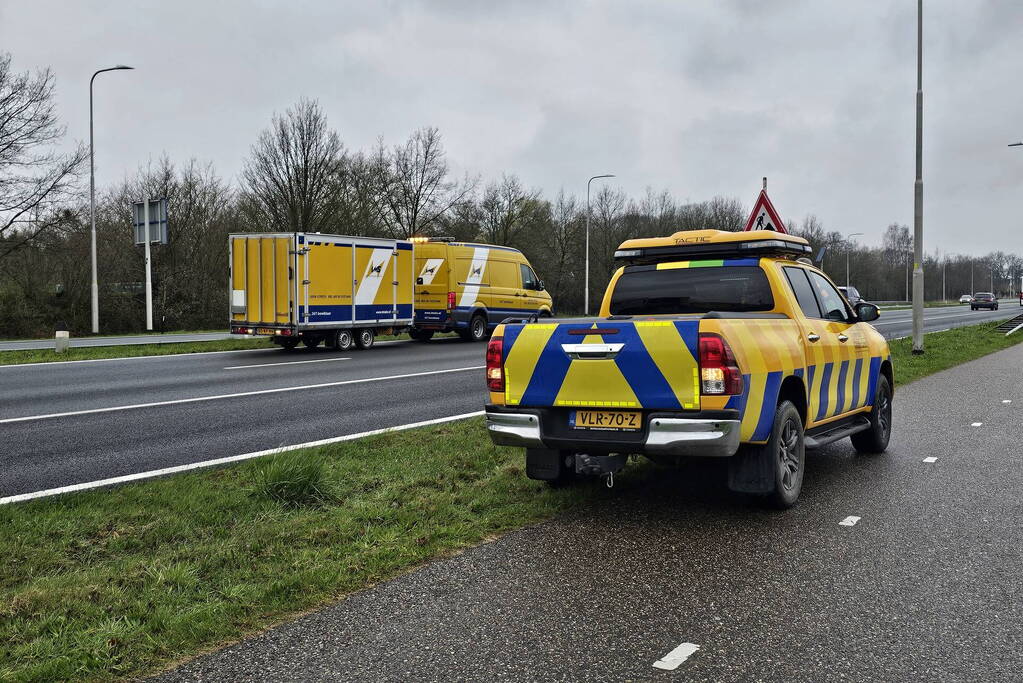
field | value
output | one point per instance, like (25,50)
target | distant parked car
(852,295)
(965,299)
(984,300)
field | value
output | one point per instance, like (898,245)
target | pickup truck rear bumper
(664,433)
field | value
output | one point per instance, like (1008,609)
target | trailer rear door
(261,291)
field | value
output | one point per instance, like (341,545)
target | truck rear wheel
(477,329)
(288,343)
(773,470)
(343,340)
(421,335)
(365,338)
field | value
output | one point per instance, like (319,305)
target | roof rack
(712,243)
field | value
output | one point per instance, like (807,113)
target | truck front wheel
(343,340)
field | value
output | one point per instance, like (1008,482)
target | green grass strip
(115,583)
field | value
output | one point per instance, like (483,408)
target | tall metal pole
(92,202)
(855,234)
(586,294)
(918,209)
(149,268)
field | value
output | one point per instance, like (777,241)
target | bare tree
(507,208)
(35,180)
(291,177)
(419,192)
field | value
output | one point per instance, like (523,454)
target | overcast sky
(699,98)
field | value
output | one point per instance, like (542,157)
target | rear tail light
(241,330)
(451,301)
(719,373)
(495,368)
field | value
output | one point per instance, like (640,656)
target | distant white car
(965,299)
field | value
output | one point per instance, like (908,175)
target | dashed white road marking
(673,659)
(1007,400)
(224,461)
(930,459)
(850,521)
(287,362)
(259,392)
(976,424)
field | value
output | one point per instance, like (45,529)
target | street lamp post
(855,234)
(92,202)
(586,278)
(918,198)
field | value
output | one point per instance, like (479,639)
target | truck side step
(832,433)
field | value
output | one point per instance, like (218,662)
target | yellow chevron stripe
(522,359)
(665,344)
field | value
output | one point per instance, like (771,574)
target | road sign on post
(157,221)
(764,216)
(150,219)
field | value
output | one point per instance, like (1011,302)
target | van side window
(803,291)
(529,280)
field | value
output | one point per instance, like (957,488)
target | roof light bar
(667,252)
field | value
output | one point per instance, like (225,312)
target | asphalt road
(924,587)
(175,338)
(436,380)
(889,318)
(899,323)
(328,394)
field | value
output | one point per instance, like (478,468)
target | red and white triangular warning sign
(764,216)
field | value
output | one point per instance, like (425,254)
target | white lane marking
(930,459)
(287,362)
(850,521)
(162,356)
(259,392)
(223,461)
(673,659)
(976,424)
(1008,400)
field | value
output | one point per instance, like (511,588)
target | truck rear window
(644,290)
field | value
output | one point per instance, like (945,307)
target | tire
(477,331)
(288,344)
(973,308)
(343,340)
(783,457)
(421,335)
(996,307)
(875,439)
(365,337)
(311,342)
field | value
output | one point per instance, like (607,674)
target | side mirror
(540,286)
(867,312)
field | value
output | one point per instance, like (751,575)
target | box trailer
(313,288)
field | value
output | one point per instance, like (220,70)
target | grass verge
(943,350)
(110,583)
(130,351)
(113,583)
(165,349)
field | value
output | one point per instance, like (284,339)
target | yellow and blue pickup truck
(708,343)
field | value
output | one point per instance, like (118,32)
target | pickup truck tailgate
(649,364)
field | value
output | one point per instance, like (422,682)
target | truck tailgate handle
(591,351)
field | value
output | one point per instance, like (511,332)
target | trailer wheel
(311,342)
(365,338)
(343,340)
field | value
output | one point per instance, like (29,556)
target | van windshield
(645,290)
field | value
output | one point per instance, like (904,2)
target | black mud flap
(544,464)
(751,470)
